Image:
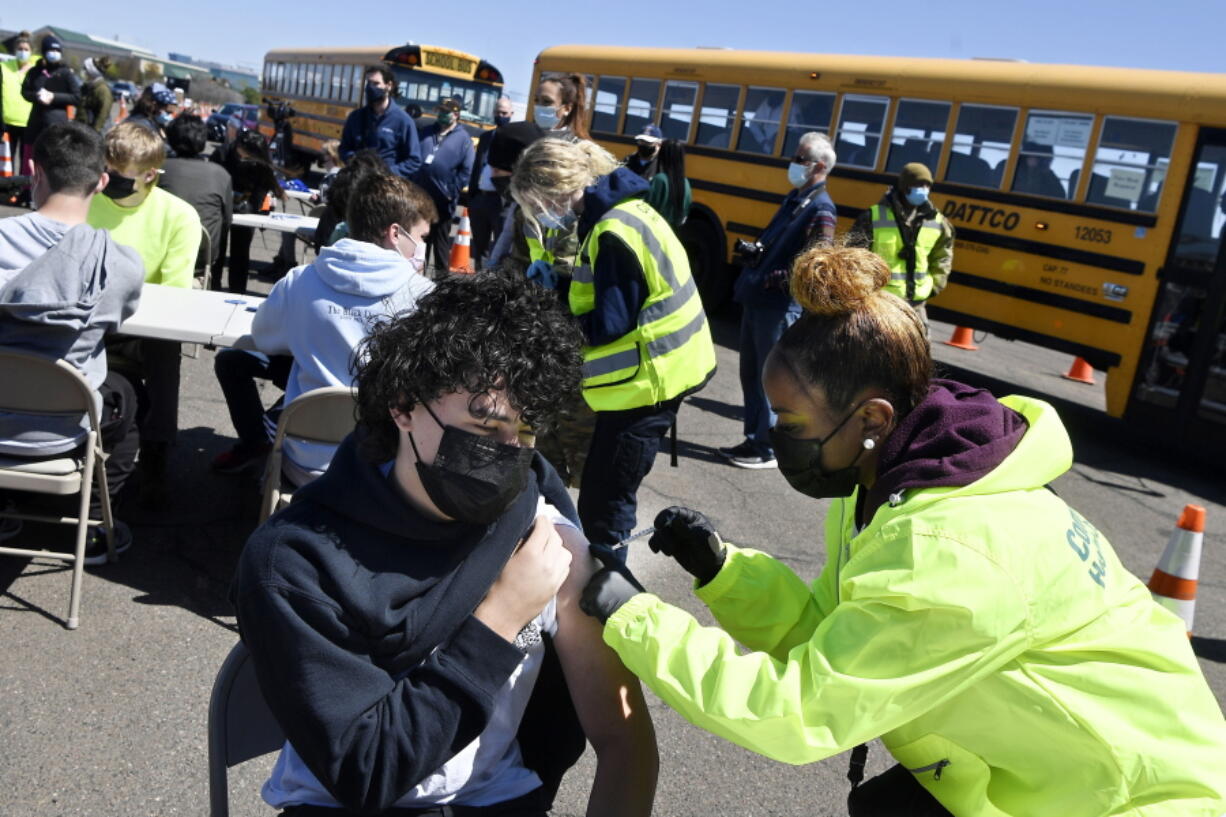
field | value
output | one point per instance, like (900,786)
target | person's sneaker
(746,455)
(239,459)
(95,547)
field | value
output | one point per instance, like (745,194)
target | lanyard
(438,143)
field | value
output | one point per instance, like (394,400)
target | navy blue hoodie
(621,288)
(337,596)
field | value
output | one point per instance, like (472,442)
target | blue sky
(1175,34)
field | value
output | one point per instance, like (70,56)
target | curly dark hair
(473,333)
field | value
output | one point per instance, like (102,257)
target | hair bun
(837,280)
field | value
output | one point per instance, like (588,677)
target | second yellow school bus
(323,85)
(1088,201)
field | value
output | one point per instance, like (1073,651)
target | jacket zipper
(932,767)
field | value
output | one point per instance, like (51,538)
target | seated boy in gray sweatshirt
(63,286)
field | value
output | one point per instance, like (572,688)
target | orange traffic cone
(1173,584)
(6,158)
(461,258)
(266,204)
(123,109)
(963,338)
(1081,372)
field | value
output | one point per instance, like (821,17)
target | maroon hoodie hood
(955,436)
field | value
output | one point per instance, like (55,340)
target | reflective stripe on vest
(887,241)
(670,350)
(536,247)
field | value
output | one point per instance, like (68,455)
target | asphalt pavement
(110,718)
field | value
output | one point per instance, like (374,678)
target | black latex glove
(690,538)
(607,591)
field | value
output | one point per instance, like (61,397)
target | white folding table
(192,315)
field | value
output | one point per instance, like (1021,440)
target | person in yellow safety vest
(966,615)
(647,341)
(16,109)
(916,241)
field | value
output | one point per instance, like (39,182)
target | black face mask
(375,93)
(473,478)
(647,152)
(800,462)
(501,119)
(119,187)
(503,185)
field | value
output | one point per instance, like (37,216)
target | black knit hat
(509,141)
(52,43)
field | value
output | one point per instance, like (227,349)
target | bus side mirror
(414,110)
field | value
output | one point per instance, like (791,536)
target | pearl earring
(869,444)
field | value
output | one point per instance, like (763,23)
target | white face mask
(798,174)
(23,55)
(545,117)
(418,258)
(53,56)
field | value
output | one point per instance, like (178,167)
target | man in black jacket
(205,185)
(408,613)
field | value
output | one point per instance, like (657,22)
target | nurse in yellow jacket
(967,616)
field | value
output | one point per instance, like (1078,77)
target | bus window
(860,124)
(919,133)
(325,84)
(1200,229)
(678,109)
(641,107)
(760,120)
(339,74)
(811,111)
(359,84)
(1130,163)
(291,86)
(1053,151)
(715,117)
(608,105)
(981,145)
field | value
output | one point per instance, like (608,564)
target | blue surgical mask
(797,174)
(163,118)
(545,117)
(553,221)
(917,196)
(52,56)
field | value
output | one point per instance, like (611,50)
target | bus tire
(704,244)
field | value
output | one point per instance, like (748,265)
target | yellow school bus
(1088,201)
(322,86)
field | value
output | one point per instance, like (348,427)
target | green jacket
(96,102)
(988,634)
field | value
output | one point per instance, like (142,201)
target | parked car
(122,87)
(248,117)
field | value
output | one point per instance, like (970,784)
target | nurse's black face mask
(800,462)
(473,478)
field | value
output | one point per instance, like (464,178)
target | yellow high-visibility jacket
(987,633)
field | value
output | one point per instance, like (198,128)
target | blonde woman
(647,343)
(967,616)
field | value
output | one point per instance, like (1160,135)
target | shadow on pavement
(183,553)
(716,407)
(1210,649)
